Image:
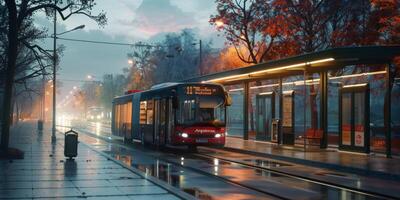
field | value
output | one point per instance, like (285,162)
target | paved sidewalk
(374,165)
(46,173)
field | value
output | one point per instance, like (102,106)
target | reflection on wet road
(199,185)
(213,178)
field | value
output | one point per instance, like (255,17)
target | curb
(347,169)
(175,191)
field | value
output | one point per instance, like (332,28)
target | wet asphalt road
(208,177)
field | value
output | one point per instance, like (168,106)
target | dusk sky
(128,21)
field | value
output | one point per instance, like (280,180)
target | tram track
(203,156)
(301,178)
(177,163)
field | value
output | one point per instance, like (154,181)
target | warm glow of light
(355,85)
(313,81)
(130,61)
(98,128)
(320,61)
(219,23)
(265,93)
(235,90)
(357,75)
(288,92)
(89,76)
(272,70)
(226,78)
(75,87)
(278,68)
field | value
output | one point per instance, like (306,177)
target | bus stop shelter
(341,98)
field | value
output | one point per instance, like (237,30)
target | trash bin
(40,125)
(71,144)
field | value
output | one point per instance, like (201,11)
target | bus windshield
(201,110)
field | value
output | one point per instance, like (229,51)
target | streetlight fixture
(219,23)
(53,130)
(74,29)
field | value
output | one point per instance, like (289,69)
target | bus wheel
(192,148)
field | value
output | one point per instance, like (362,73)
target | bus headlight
(218,135)
(184,135)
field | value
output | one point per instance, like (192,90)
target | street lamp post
(200,59)
(53,130)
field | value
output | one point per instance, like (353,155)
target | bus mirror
(228,99)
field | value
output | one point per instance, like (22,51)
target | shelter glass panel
(374,76)
(294,107)
(395,116)
(264,108)
(235,114)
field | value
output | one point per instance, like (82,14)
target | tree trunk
(17,115)
(10,72)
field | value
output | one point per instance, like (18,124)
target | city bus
(173,114)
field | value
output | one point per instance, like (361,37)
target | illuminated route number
(197,90)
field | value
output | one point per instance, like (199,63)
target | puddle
(168,173)
(196,192)
(266,173)
(266,163)
(331,174)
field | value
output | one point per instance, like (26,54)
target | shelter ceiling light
(269,70)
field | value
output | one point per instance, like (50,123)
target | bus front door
(160,115)
(354,118)
(163,122)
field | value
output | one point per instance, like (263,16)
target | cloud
(157,16)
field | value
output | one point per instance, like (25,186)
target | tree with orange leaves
(247,24)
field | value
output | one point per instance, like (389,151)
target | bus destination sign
(200,90)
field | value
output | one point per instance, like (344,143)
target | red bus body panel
(199,135)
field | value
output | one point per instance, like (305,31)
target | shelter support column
(280,111)
(324,108)
(246,101)
(387,111)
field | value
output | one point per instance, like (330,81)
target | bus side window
(149,112)
(143,112)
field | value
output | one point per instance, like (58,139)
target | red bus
(192,114)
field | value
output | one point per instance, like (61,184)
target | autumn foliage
(261,31)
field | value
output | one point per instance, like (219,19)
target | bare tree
(19,13)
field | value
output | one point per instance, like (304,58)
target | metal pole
(304,109)
(387,112)
(200,58)
(53,132)
(280,111)
(246,89)
(323,83)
